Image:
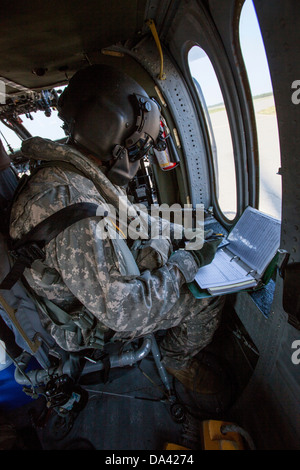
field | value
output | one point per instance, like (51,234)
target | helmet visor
(140,148)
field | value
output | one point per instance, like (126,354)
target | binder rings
(253,244)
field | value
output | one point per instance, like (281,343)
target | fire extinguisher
(168,158)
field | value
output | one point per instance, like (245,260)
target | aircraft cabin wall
(270,402)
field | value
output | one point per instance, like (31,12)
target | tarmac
(269,158)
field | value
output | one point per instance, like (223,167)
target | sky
(254,57)
(253,51)
(48,127)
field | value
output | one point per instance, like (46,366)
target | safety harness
(30,248)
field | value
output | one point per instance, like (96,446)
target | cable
(118,228)
(152,381)
(7,143)
(151,24)
(225,428)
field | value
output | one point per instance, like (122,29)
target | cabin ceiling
(42,41)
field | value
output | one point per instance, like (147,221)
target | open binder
(241,264)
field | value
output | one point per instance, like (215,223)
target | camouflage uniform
(82,266)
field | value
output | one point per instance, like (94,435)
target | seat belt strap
(30,247)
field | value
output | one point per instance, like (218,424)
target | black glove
(207,253)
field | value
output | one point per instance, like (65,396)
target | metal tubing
(131,357)
(35,377)
(161,369)
(31,377)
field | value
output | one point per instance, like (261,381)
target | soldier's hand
(206,254)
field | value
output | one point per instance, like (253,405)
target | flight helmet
(109,115)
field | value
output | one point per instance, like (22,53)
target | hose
(40,376)
(30,378)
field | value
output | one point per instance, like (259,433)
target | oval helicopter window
(212,102)
(256,64)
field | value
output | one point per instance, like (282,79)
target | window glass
(41,125)
(9,139)
(38,124)
(263,100)
(212,102)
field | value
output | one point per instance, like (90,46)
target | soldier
(111,124)
(8,184)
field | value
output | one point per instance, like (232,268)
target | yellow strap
(151,24)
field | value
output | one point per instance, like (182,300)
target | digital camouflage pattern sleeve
(81,265)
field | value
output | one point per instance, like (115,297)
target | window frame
(209,133)
(226,58)
(239,154)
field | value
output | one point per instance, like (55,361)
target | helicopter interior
(255,348)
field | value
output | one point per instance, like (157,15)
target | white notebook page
(255,239)
(222,271)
